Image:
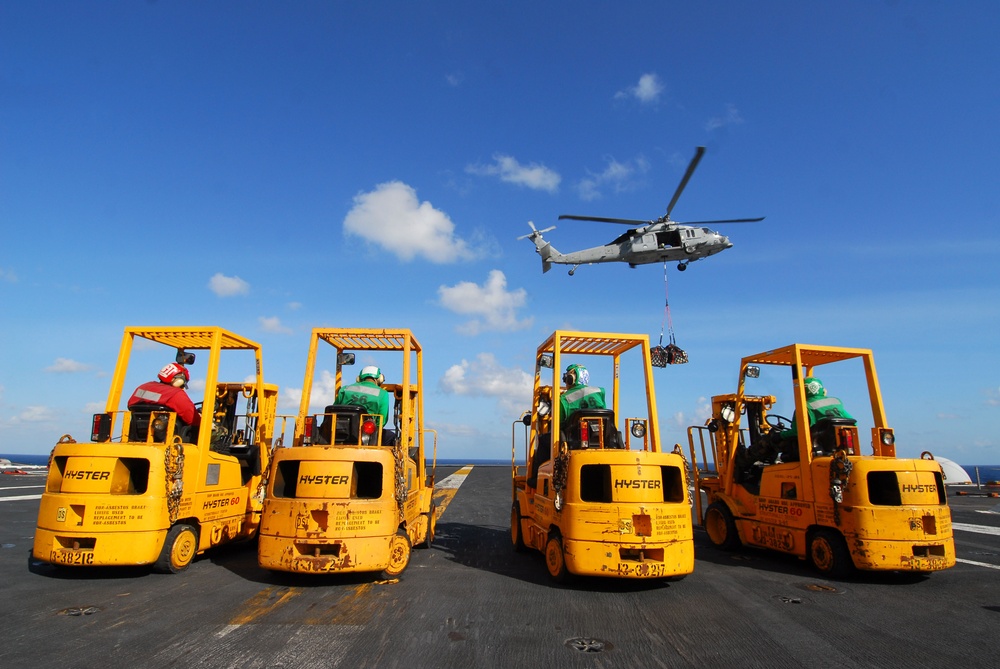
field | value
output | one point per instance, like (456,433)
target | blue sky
(270,167)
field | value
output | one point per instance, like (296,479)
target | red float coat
(156,392)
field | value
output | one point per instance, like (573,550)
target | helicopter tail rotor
(535,232)
(542,247)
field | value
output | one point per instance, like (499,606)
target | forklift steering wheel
(779,422)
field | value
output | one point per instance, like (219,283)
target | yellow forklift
(148,488)
(595,500)
(353,492)
(803,485)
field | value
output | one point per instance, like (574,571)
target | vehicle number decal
(640,569)
(72,557)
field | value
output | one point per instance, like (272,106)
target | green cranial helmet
(576,375)
(371,372)
(814,387)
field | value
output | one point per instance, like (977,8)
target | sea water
(987,473)
(17,459)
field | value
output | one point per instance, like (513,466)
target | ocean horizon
(983,473)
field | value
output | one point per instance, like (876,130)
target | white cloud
(534,176)
(67,366)
(143,344)
(458,430)
(647,91)
(454,79)
(391,217)
(324,390)
(680,420)
(228,286)
(992,397)
(289,399)
(485,377)
(8,275)
(620,177)
(732,117)
(35,414)
(273,324)
(495,306)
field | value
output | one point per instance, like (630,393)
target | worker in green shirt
(819,406)
(368,393)
(579,394)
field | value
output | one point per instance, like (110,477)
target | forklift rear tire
(721,527)
(516,537)
(555,560)
(829,555)
(399,555)
(179,549)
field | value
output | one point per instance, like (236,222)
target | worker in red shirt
(168,390)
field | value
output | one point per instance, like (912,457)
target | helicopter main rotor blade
(624,221)
(687,175)
(728,220)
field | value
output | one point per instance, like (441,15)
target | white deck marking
(456,480)
(980,529)
(17,497)
(978,564)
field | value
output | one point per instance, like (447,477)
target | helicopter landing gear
(573,271)
(681,266)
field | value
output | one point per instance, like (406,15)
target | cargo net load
(671,354)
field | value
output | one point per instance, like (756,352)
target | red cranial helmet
(171,371)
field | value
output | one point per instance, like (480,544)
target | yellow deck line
(445,491)
(264,602)
(273,598)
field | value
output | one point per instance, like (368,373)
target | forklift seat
(344,427)
(596,421)
(824,434)
(142,414)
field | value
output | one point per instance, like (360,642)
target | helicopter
(661,239)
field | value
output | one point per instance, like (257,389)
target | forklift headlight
(888,438)
(638,429)
(559,501)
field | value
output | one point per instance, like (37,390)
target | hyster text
(81,475)
(323,480)
(219,503)
(929,487)
(638,484)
